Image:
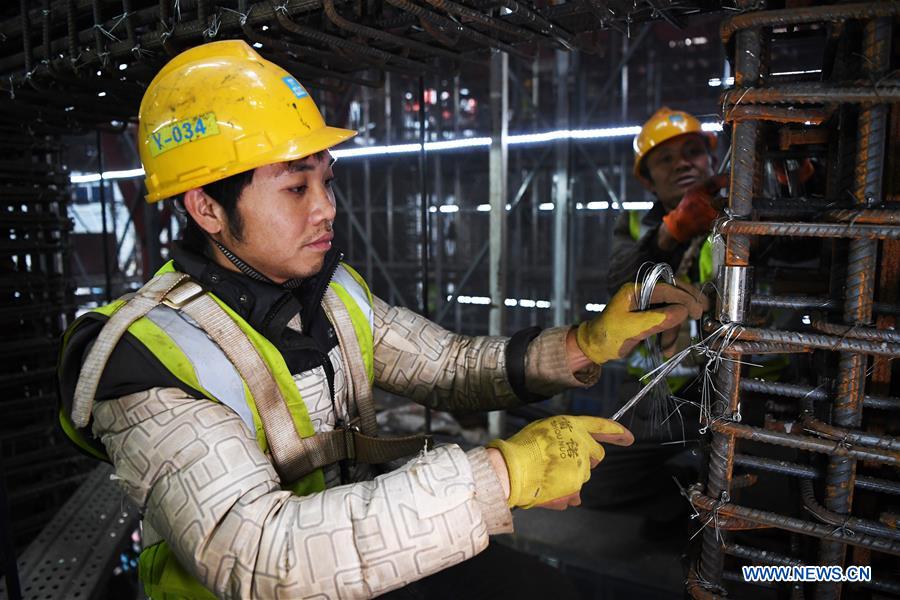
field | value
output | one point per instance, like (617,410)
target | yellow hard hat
(664,125)
(219,109)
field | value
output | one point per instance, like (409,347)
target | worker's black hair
(226,192)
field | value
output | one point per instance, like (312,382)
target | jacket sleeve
(206,488)
(627,255)
(415,357)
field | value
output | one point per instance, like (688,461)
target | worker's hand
(696,213)
(549,460)
(621,327)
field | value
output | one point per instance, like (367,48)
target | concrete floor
(605,552)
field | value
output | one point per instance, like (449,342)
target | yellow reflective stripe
(162,347)
(706,262)
(108,309)
(169,267)
(361,317)
(173,358)
(168,353)
(310,484)
(359,292)
(362,282)
(276,364)
(65,421)
(315,481)
(634,224)
(361,327)
(164,578)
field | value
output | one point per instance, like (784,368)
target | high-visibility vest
(184,349)
(705,261)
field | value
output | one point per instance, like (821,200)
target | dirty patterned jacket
(194,468)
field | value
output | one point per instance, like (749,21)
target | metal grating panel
(74,555)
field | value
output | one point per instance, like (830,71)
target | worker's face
(287,215)
(676,165)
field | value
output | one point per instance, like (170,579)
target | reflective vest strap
(634,224)
(143,302)
(360,281)
(356,287)
(169,351)
(357,299)
(289,453)
(200,356)
(350,342)
(279,370)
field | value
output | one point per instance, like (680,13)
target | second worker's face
(287,215)
(676,165)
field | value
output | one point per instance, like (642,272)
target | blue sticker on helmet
(295,86)
(674,119)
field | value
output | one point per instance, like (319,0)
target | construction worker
(233,392)
(674,160)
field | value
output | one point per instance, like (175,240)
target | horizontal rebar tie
(823,230)
(763,517)
(815,340)
(808,443)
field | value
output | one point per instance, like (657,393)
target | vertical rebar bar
(744,149)
(744,177)
(859,291)
(721,464)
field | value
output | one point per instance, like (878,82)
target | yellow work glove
(620,327)
(553,457)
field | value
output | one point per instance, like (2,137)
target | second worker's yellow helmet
(219,109)
(664,125)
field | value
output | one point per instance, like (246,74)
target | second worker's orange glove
(695,214)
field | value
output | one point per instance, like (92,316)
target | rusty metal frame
(839,437)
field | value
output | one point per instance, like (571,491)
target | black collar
(266,307)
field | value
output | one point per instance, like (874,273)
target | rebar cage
(826,428)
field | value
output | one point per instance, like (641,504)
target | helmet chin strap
(250,271)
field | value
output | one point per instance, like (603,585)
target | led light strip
(521,302)
(595,205)
(92,177)
(474,142)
